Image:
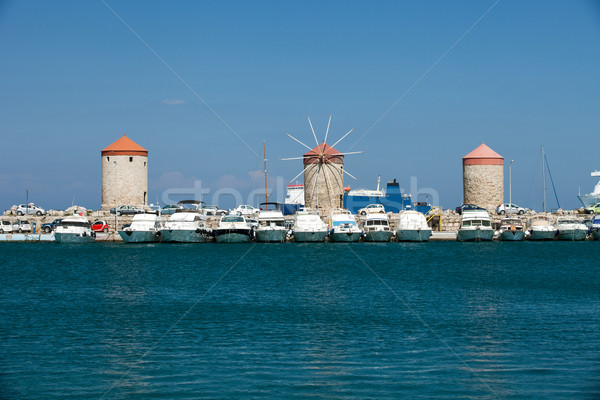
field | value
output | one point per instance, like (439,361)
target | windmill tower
(323,173)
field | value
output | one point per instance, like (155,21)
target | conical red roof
(483,155)
(124,147)
(330,155)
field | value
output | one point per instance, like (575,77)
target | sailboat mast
(265,160)
(544,179)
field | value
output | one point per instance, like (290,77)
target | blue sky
(74,78)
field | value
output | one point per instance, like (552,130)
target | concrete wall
(329,188)
(483,185)
(124,181)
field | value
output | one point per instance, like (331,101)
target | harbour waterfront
(378,320)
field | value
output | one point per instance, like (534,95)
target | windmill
(323,172)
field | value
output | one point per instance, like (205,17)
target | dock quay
(445,224)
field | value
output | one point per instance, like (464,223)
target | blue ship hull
(393,201)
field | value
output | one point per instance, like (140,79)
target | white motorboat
(144,228)
(186,225)
(74,229)
(377,228)
(540,227)
(475,226)
(271,224)
(596,227)
(232,229)
(308,226)
(589,200)
(511,229)
(344,227)
(569,228)
(412,227)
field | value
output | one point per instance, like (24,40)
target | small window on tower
(130,159)
(107,158)
(144,163)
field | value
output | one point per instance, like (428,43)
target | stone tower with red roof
(483,178)
(323,179)
(124,174)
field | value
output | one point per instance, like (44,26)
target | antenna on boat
(378,180)
(544,179)
(265,160)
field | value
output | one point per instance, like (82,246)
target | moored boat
(589,200)
(186,225)
(569,228)
(74,229)
(540,227)
(232,229)
(595,228)
(271,224)
(377,228)
(511,229)
(308,226)
(144,228)
(412,227)
(344,227)
(475,226)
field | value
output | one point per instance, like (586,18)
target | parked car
(170,209)
(595,209)
(212,210)
(5,227)
(507,208)
(468,207)
(100,226)
(126,210)
(30,209)
(244,209)
(21,226)
(51,226)
(372,209)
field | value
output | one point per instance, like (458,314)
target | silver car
(30,209)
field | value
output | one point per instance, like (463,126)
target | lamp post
(510,183)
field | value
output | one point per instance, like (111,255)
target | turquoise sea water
(322,321)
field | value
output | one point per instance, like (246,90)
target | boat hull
(232,235)
(139,236)
(310,236)
(73,238)
(542,235)
(571,234)
(378,236)
(512,236)
(271,235)
(475,235)
(413,235)
(185,236)
(345,236)
(596,234)
(589,200)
